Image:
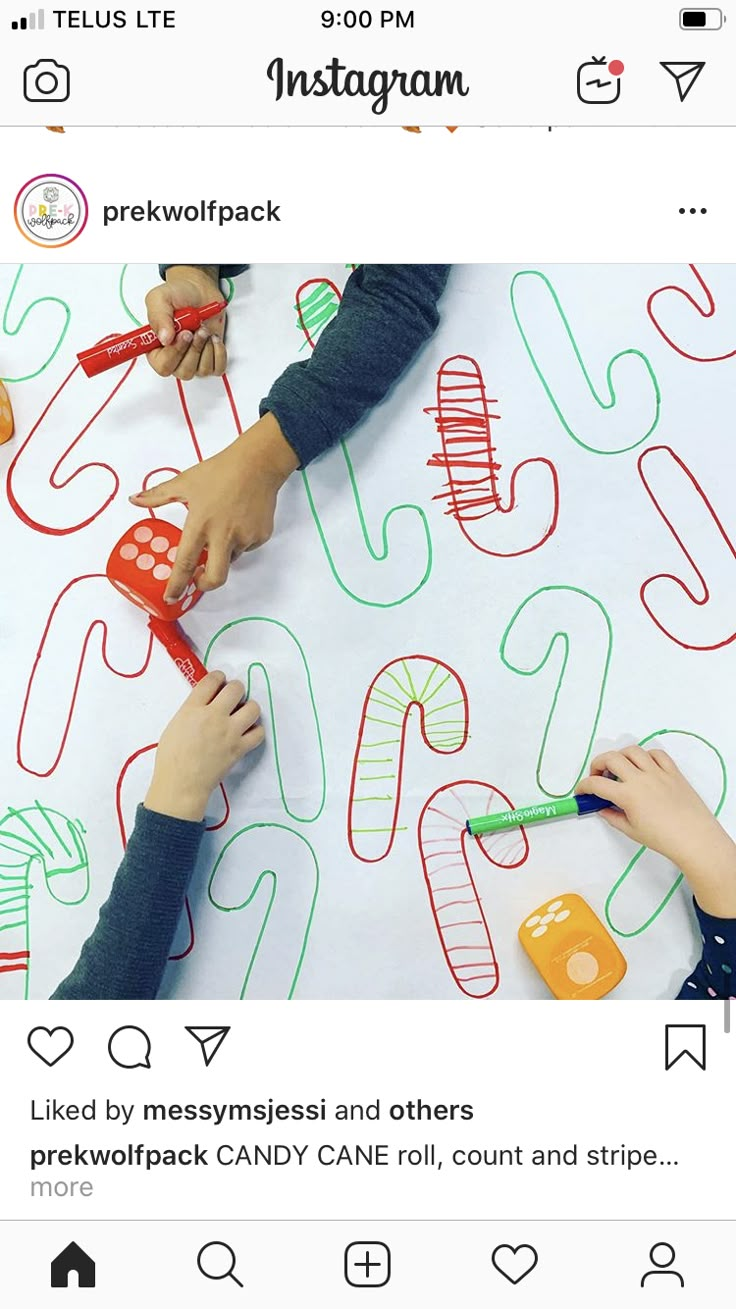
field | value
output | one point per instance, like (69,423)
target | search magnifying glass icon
(216,1260)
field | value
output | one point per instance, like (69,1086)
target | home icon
(73,1260)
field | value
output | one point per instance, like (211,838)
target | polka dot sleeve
(715,976)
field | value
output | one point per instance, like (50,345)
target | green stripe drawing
(271,866)
(42,843)
(649,881)
(575,622)
(623,414)
(440,697)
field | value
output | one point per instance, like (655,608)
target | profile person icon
(662,1255)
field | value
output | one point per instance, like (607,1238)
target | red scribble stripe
(15,954)
(463,420)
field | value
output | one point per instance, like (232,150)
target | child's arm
(387,313)
(125,957)
(188,354)
(657,807)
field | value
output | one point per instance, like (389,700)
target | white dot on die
(532,922)
(128,551)
(172,553)
(162,572)
(719,940)
(186,603)
(547,918)
(159,544)
(143,534)
(145,562)
(539,931)
(560,918)
(552,908)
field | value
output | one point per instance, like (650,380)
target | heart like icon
(50,1044)
(514,1262)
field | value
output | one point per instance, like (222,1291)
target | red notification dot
(615,68)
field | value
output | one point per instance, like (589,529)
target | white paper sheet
(568,623)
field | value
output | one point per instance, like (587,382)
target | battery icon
(701,20)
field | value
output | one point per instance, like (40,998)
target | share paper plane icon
(210,1040)
(685,75)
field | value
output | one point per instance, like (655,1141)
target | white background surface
(373,934)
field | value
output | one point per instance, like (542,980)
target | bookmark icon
(684,1041)
(210,1039)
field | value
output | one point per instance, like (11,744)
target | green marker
(537,813)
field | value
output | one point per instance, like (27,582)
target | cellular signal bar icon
(33,23)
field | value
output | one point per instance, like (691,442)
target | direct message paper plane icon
(685,75)
(210,1040)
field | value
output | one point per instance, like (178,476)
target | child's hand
(204,740)
(187,355)
(659,808)
(231,500)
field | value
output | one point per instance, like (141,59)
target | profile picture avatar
(51,210)
(46,80)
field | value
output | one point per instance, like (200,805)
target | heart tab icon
(514,1262)
(50,1044)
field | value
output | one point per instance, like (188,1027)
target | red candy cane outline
(708,312)
(389,712)
(463,421)
(213,827)
(313,281)
(456,904)
(659,577)
(190,422)
(96,622)
(57,485)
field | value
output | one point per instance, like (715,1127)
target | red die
(140,566)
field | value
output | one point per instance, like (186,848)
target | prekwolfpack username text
(203,211)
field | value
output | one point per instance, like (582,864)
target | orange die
(572,950)
(140,566)
(7,426)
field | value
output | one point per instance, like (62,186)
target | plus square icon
(367,1263)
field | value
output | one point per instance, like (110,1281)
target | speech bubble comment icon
(130,1047)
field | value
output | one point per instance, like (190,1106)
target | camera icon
(46,81)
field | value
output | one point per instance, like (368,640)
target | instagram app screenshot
(368,647)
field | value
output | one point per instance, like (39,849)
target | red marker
(121,349)
(171,638)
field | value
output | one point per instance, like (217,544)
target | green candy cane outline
(531,672)
(13,331)
(121,291)
(376,555)
(236,622)
(272,875)
(663,731)
(602,404)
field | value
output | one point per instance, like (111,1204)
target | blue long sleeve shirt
(125,957)
(387,313)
